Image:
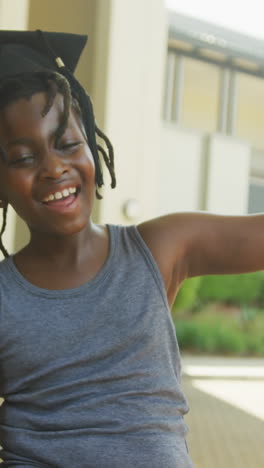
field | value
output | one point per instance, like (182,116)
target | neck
(66,261)
(60,249)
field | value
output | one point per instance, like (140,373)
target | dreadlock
(25,86)
(2,247)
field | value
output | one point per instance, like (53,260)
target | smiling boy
(89,360)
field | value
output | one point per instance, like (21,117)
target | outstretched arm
(194,244)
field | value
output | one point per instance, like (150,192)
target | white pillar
(136,53)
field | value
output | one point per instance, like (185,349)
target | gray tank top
(91,375)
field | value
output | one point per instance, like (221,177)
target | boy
(89,361)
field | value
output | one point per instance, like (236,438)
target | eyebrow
(23,141)
(29,141)
(19,141)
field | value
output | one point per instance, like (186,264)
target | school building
(181,100)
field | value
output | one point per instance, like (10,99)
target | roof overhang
(215,44)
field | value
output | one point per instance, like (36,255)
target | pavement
(226,418)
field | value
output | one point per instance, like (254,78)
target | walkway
(226,419)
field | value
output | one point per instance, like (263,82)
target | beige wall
(13,14)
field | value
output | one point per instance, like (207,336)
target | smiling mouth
(61,195)
(63,201)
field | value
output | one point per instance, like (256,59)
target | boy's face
(50,185)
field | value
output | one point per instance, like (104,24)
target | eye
(71,146)
(25,159)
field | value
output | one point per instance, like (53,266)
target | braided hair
(28,84)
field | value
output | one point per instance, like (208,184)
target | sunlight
(224,370)
(245,395)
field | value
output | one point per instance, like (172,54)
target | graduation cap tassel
(84,102)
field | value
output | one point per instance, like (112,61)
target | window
(200,95)
(250,109)
(256,196)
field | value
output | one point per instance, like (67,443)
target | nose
(53,166)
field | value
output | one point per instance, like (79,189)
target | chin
(61,229)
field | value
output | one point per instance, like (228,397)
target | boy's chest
(78,336)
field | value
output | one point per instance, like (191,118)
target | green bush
(245,289)
(255,345)
(210,338)
(236,289)
(214,332)
(260,298)
(187,296)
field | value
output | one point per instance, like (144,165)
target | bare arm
(193,244)
(227,244)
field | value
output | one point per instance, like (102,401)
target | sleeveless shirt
(90,376)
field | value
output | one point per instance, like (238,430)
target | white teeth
(59,195)
(65,193)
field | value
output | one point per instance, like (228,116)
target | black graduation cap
(36,51)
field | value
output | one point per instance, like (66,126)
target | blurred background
(179,89)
